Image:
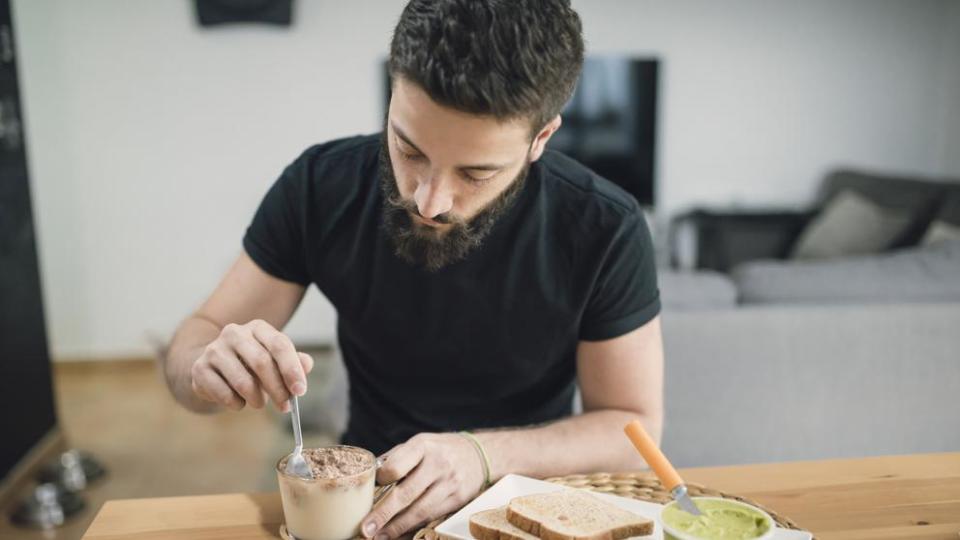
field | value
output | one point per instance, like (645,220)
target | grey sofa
(809,360)
(796,382)
(770,358)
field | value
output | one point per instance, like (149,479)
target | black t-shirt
(489,341)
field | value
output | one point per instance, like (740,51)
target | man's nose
(432,197)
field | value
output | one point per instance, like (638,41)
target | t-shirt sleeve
(625,295)
(275,237)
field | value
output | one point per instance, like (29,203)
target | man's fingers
(237,377)
(259,361)
(249,361)
(397,500)
(284,355)
(200,391)
(216,389)
(399,461)
(306,361)
(434,502)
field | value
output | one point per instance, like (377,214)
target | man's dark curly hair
(509,59)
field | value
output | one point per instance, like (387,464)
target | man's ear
(540,141)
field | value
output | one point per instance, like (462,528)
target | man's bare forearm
(193,335)
(590,442)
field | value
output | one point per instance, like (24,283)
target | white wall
(151,141)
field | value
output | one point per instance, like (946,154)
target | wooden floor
(123,414)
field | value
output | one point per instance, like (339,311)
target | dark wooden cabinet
(27,411)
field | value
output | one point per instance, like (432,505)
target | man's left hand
(436,473)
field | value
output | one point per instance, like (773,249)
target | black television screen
(610,122)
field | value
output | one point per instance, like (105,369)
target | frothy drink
(332,504)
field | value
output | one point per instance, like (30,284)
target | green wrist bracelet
(483,457)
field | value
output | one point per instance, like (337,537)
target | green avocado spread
(720,521)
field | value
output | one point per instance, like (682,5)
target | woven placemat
(637,485)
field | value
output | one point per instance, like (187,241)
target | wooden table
(910,497)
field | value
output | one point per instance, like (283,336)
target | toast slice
(493,525)
(574,514)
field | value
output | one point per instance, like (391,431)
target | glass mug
(329,508)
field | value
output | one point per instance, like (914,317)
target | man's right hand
(248,364)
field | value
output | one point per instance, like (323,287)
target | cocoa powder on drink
(332,463)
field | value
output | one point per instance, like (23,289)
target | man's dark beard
(421,245)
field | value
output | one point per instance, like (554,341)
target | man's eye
(477,180)
(409,157)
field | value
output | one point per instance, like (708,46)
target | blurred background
(799,163)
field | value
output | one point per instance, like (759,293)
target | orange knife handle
(653,456)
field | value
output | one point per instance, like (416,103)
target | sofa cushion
(927,273)
(918,196)
(850,225)
(941,231)
(696,290)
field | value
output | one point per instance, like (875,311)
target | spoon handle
(295,418)
(652,455)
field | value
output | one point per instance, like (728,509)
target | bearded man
(478,277)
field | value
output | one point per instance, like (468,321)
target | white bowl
(670,532)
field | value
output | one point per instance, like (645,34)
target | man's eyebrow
(478,167)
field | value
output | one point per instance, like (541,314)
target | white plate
(510,486)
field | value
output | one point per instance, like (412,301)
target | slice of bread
(574,514)
(493,525)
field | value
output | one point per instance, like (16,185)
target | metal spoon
(296,465)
